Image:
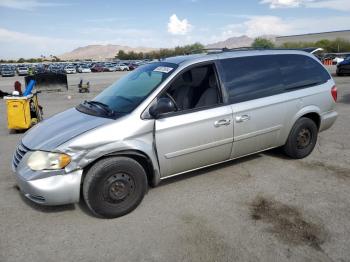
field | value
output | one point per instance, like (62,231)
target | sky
(31,28)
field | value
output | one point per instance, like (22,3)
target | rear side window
(300,71)
(253,77)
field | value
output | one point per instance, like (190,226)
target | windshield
(126,94)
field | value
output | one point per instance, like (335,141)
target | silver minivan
(171,117)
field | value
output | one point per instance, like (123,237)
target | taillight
(334,92)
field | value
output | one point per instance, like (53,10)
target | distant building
(314,37)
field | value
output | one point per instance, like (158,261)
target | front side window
(195,88)
(126,94)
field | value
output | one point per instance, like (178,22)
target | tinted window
(248,78)
(253,77)
(300,71)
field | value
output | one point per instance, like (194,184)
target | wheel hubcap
(118,187)
(304,138)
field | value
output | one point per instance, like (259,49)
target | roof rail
(247,48)
(208,50)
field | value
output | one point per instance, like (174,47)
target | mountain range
(100,52)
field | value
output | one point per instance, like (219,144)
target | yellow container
(18,112)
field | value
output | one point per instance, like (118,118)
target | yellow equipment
(22,111)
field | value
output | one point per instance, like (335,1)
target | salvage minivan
(174,116)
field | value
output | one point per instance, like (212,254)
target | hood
(60,128)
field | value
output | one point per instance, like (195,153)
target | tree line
(30,60)
(338,45)
(161,53)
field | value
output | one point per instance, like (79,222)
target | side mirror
(163,105)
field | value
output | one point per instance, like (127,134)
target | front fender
(84,156)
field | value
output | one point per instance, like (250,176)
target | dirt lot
(260,208)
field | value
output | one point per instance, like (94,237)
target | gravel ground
(260,208)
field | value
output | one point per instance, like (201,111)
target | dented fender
(122,135)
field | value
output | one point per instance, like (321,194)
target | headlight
(40,160)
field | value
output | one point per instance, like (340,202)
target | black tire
(114,186)
(340,74)
(302,139)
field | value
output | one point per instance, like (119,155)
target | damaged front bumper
(48,187)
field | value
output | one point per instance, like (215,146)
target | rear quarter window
(299,71)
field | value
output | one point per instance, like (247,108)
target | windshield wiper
(101,105)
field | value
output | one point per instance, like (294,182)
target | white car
(337,60)
(122,67)
(70,70)
(22,71)
(111,68)
(84,69)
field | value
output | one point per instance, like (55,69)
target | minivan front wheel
(114,186)
(302,139)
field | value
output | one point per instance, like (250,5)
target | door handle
(222,122)
(242,118)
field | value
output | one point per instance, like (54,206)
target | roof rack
(247,48)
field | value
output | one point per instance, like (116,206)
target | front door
(193,140)
(200,133)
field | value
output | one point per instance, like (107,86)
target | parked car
(110,68)
(22,70)
(55,68)
(343,68)
(70,70)
(122,67)
(8,71)
(1,67)
(40,68)
(337,60)
(132,66)
(84,69)
(97,68)
(174,116)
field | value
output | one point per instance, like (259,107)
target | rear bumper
(327,120)
(51,190)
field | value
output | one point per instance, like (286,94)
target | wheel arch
(142,158)
(314,117)
(312,112)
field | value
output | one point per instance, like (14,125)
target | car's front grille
(19,154)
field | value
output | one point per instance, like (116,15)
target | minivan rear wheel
(114,186)
(302,139)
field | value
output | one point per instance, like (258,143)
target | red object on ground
(18,87)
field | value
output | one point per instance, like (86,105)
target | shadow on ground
(208,170)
